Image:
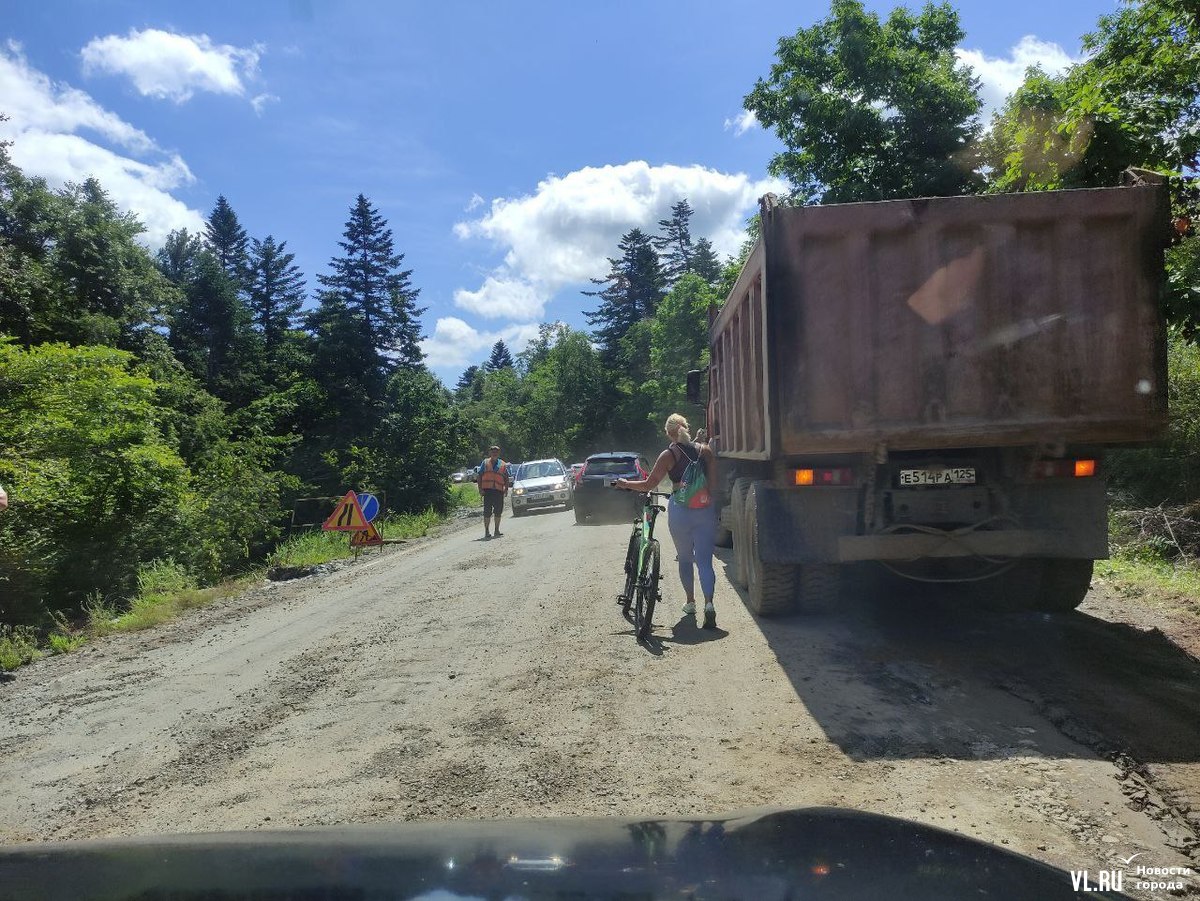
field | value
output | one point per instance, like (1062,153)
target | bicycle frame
(645,523)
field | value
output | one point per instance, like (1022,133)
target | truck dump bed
(947,322)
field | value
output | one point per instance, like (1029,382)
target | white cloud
(742,122)
(455,343)
(44,124)
(173,66)
(476,203)
(31,100)
(563,233)
(511,298)
(1000,76)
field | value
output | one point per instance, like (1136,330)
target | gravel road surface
(452,678)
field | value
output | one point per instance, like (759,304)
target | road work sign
(347,516)
(369,537)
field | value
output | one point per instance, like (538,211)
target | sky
(509,145)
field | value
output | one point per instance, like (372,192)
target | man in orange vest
(493,483)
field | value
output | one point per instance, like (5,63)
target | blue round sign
(370,506)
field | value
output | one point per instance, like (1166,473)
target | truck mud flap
(803,525)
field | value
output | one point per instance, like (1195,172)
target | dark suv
(594,495)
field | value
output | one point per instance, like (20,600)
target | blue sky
(509,145)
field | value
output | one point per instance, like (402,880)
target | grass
(1153,580)
(1150,569)
(18,646)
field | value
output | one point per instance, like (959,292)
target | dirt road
(456,678)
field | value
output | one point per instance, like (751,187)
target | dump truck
(932,385)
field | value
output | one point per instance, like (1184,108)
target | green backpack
(693,489)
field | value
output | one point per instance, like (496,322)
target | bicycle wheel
(625,598)
(647,592)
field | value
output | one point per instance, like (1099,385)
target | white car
(541,483)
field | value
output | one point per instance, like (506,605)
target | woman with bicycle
(691,515)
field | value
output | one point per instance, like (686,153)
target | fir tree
(276,291)
(705,263)
(674,242)
(226,238)
(500,358)
(631,293)
(375,292)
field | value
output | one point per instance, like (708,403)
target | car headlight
(518,491)
(560,486)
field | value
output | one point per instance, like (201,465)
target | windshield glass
(919,282)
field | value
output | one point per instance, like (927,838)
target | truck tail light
(841,475)
(1064,469)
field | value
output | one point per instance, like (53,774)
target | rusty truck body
(931,384)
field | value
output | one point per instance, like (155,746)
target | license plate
(963,475)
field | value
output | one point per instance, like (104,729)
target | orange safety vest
(493,479)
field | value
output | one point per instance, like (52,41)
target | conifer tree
(501,358)
(630,293)
(674,242)
(226,238)
(276,291)
(372,288)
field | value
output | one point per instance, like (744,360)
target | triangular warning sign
(347,516)
(370,537)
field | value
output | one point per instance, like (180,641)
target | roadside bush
(1169,473)
(18,646)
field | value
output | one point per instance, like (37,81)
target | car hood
(817,853)
(543,482)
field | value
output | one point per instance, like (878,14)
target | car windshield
(920,281)
(610,466)
(539,470)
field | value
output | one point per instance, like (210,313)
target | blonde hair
(677,429)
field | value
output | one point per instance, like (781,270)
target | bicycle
(643,567)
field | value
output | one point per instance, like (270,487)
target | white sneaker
(689,609)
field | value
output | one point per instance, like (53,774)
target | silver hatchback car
(542,483)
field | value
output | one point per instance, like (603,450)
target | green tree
(177,257)
(871,110)
(227,240)
(375,292)
(705,263)
(417,443)
(630,293)
(674,242)
(212,336)
(679,338)
(97,490)
(501,358)
(470,384)
(276,292)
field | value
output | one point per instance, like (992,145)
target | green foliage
(97,489)
(872,110)
(18,646)
(369,287)
(501,358)
(674,243)
(679,338)
(630,293)
(1169,473)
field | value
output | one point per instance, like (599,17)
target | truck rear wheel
(771,586)
(741,539)
(1065,584)
(819,587)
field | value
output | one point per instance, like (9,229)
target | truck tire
(741,541)
(819,587)
(1065,584)
(771,586)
